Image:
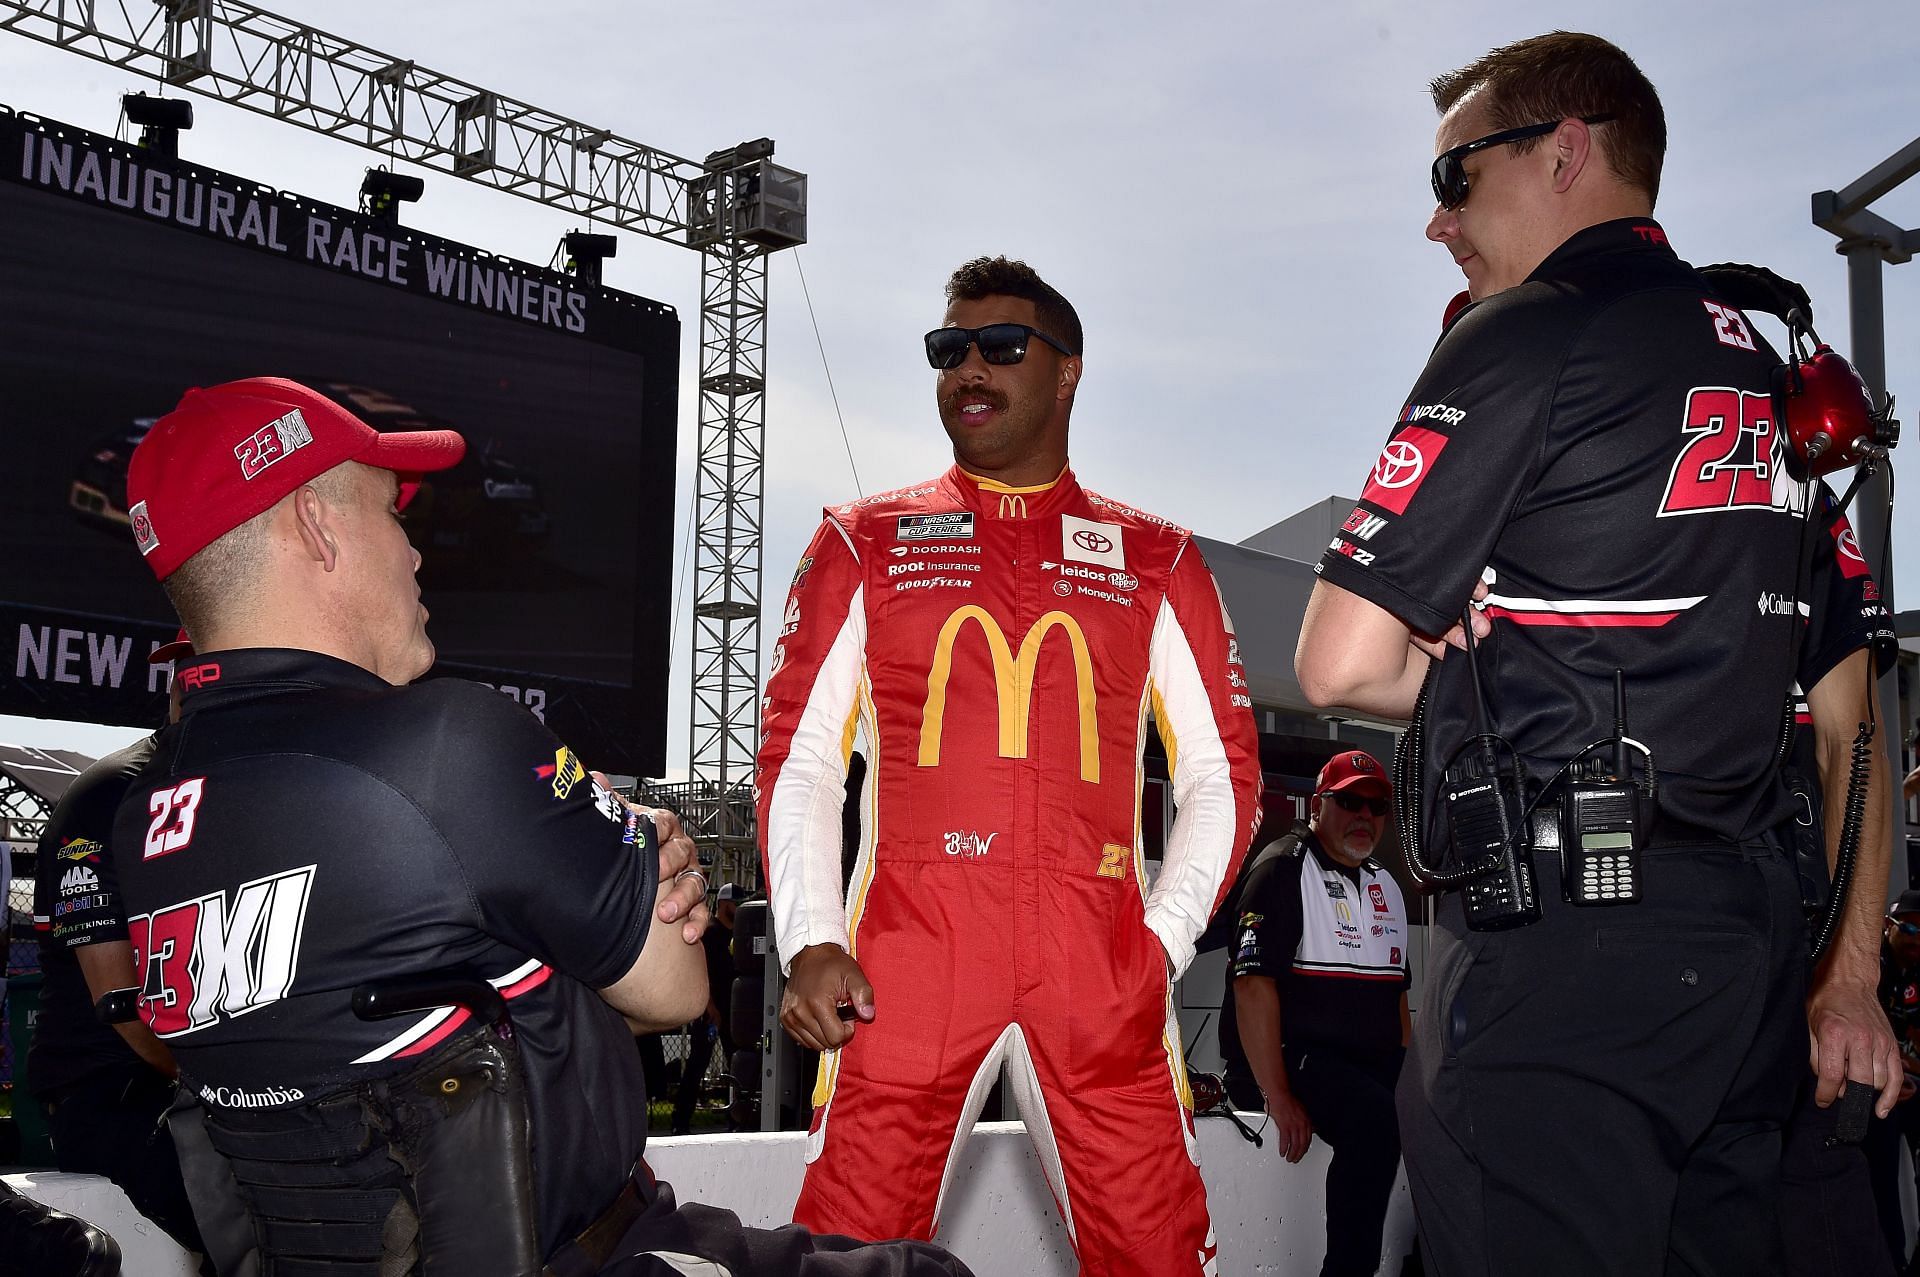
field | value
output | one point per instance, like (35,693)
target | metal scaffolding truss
(726,535)
(293,72)
(735,208)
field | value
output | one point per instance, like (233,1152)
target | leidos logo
(1013,685)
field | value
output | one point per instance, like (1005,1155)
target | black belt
(1666,831)
(590,1251)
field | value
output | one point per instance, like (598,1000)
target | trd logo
(195,676)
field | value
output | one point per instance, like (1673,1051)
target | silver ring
(694,872)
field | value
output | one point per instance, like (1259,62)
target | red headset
(1818,399)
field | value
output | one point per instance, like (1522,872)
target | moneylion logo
(1013,685)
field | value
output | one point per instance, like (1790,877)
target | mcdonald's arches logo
(1013,685)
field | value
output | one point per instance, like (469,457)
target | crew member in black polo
(103,1087)
(1593,442)
(316,820)
(1314,1025)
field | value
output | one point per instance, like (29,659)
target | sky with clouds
(1233,195)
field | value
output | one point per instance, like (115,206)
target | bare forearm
(1855,954)
(106,967)
(1256,1007)
(1354,655)
(667,984)
(1839,705)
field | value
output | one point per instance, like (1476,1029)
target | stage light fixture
(382,193)
(161,121)
(585,251)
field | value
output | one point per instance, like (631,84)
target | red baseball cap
(1351,769)
(168,653)
(227,453)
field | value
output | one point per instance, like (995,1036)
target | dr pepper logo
(1402,467)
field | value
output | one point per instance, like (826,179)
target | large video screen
(125,279)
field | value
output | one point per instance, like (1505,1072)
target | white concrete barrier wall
(999,1217)
(1268,1215)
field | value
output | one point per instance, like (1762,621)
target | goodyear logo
(1013,685)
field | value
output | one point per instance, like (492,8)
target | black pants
(109,1124)
(1890,1149)
(1827,1206)
(693,1072)
(669,1240)
(1603,1092)
(1350,1102)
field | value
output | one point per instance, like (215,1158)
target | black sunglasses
(1908,928)
(1355,803)
(999,344)
(1450,175)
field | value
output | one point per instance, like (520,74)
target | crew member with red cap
(317,821)
(1315,1022)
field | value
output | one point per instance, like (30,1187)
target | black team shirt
(307,827)
(1602,439)
(76,903)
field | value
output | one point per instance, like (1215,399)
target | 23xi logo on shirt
(1402,467)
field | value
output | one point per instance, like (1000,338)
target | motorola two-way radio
(1487,820)
(1604,816)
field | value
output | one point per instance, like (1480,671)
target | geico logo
(1013,685)
(895,569)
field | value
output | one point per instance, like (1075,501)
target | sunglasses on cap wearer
(1355,803)
(1450,175)
(1907,928)
(999,344)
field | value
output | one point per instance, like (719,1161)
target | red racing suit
(999,651)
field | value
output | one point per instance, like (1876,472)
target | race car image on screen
(488,506)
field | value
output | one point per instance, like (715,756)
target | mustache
(992,398)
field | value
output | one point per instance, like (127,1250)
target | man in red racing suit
(997,650)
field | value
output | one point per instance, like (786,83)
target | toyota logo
(1849,546)
(1092,542)
(1400,464)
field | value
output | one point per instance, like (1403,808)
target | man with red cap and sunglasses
(998,637)
(317,821)
(1314,1025)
